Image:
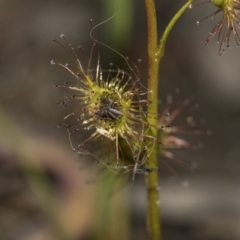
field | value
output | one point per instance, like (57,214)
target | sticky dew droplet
(194,165)
(163,127)
(191,6)
(185,184)
(177,90)
(209,132)
(52,62)
(190,119)
(197,22)
(196,106)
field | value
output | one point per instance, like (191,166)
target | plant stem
(153,212)
(155,54)
(169,27)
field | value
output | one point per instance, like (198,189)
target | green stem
(169,27)
(155,54)
(153,211)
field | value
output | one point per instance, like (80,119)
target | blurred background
(44,191)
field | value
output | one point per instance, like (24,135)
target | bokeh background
(44,191)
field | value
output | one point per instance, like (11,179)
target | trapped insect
(110,113)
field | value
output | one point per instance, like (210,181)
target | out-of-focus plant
(228,25)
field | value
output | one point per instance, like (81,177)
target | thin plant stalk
(155,54)
(163,40)
(153,211)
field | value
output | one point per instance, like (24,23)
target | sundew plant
(111,113)
(116,121)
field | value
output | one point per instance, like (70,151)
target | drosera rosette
(173,134)
(229,23)
(109,111)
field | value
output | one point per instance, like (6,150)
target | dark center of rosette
(108,109)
